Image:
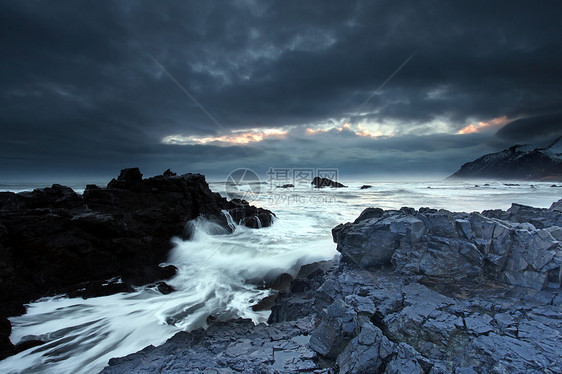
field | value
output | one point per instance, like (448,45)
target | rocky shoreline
(54,241)
(426,291)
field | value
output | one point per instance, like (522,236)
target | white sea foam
(218,271)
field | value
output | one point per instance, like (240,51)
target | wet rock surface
(254,349)
(53,240)
(517,247)
(319,182)
(344,317)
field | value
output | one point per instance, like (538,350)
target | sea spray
(229,220)
(216,280)
(217,271)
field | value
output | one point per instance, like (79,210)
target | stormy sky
(376,88)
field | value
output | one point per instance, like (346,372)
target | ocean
(220,275)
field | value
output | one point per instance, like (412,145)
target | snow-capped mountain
(523,162)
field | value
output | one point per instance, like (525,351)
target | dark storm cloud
(539,128)
(80,92)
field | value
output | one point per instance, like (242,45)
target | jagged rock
(350,319)
(265,304)
(250,216)
(318,182)
(457,245)
(169,173)
(53,240)
(372,241)
(56,196)
(407,361)
(338,327)
(401,326)
(281,283)
(122,230)
(256,349)
(365,186)
(369,213)
(556,206)
(164,288)
(538,217)
(366,353)
(288,185)
(294,303)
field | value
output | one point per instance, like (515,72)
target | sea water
(219,274)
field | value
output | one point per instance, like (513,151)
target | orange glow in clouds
(364,132)
(239,137)
(360,131)
(472,128)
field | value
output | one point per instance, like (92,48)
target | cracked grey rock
(338,327)
(366,353)
(425,311)
(406,361)
(229,347)
(500,246)
(478,324)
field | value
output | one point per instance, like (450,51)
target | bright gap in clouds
(365,129)
(493,124)
(233,138)
(358,130)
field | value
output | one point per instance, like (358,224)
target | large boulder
(457,245)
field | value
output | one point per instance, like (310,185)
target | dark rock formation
(539,217)
(53,240)
(342,317)
(518,162)
(164,288)
(6,346)
(255,349)
(286,186)
(365,186)
(515,247)
(318,182)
